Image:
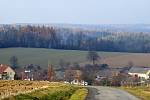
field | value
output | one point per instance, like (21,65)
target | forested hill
(73,38)
(102,27)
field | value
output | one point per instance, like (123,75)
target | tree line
(72,39)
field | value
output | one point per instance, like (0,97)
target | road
(107,93)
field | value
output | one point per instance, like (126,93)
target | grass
(15,87)
(140,92)
(80,94)
(41,56)
(53,91)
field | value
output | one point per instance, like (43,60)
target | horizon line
(75,23)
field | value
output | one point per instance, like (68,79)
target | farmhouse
(141,72)
(6,72)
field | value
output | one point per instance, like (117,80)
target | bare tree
(14,62)
(93,56)
(130,64)
(51,73)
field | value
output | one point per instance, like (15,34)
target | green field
(43,56)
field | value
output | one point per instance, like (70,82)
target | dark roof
(104,73)
(108,72)
(139,69)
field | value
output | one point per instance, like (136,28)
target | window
(10,73)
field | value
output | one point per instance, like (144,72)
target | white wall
(140,75)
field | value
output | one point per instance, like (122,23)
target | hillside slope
(43,56)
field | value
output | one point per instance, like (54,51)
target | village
(99,75)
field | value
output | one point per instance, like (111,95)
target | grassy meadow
(40,56)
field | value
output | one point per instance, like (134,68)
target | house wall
(146,76)
(148,73)
(0,76)
(10,73)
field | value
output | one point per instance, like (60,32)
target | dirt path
(107,93)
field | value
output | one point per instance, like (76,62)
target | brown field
(138,59)
(8,88)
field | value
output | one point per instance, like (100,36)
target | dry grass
(80,94)
(141,92)
(40,90)
(8,88)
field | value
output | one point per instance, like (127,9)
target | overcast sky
(75,11)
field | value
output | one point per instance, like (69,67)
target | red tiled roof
(3,68)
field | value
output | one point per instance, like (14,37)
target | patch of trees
(72,39)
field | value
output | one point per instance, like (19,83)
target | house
(102,74)
(6,72)
(27,75)
(107,73)
(79,82)
(74,77)
(141,72)
(33,72)
(31,75)
(110,76)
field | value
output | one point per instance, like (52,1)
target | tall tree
(93,56)
(14,62)
(51,73)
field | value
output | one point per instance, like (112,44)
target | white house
(141,72)
(6,72)
(77,82)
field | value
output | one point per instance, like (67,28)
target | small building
(79,82)
(27,75)
(6,72)
(107,73)
(74,77)
(141,72)
(33,72)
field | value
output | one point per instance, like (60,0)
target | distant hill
(109,38)
(102,27)
(110,27)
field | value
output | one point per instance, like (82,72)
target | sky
(75,11)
